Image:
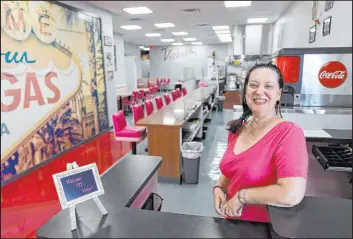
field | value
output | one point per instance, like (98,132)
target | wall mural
(53,93)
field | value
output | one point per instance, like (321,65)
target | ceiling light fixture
(167,40)
(216,28)
(131,27)
(146,48)
(179,33)
(137,10)
(224,36)
(190,39)
(177,44)
(141,47)
(257,20)
(196,43)
(164,25)
(237,3)
(222,32)
(152,34)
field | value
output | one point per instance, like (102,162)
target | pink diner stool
(167,99)
(202,84)
(178,92)
(174,95)
(142,95)
(138,113)
(123,132)
(149,107)
(184,91)
(159,102)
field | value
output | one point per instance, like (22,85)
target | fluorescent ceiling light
(152,34)
(137,10)
(167,40)
(179,33)
(146,48)
(257,20)
(222,32)
(224,36)
(237,3)
(196,43)
(164,25)
(216,28)
(131,27)
(190,39)
(177,44)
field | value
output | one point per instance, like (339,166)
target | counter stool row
(134,134)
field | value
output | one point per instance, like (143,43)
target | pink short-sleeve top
(280,153)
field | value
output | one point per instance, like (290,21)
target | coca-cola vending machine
(316,76)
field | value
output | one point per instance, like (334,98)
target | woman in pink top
(266,160)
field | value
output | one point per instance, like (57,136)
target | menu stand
(96,200)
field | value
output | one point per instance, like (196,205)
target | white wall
(107,30)
(134,50)
(253,37)
(291,30)
(145,68)
(171,62)
(120,78)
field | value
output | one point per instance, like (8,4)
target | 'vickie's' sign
(175,54)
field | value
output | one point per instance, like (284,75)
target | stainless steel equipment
(308,89)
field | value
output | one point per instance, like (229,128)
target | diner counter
(176,113)
(165,129)
(122,185)
(328,136)
(130,176)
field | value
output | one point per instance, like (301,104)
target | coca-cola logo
(332,74)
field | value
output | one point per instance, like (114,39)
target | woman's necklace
(252,127)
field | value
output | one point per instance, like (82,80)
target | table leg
(133,150)
(121,103)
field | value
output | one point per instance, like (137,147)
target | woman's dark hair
(235,125)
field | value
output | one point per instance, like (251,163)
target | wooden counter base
(162,141)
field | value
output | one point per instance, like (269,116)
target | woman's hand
(233,207)
(219,200)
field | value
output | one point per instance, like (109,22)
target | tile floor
(197,199)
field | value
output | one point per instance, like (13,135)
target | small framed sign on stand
(77,185)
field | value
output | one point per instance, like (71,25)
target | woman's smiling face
(262,91)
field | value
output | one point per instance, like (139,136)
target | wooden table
(165,136)
(121,95)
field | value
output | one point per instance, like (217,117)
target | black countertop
(337,136)
(122,183)
(314,218)
(133,223)
(125,180)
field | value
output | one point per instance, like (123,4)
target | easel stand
(96,200)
